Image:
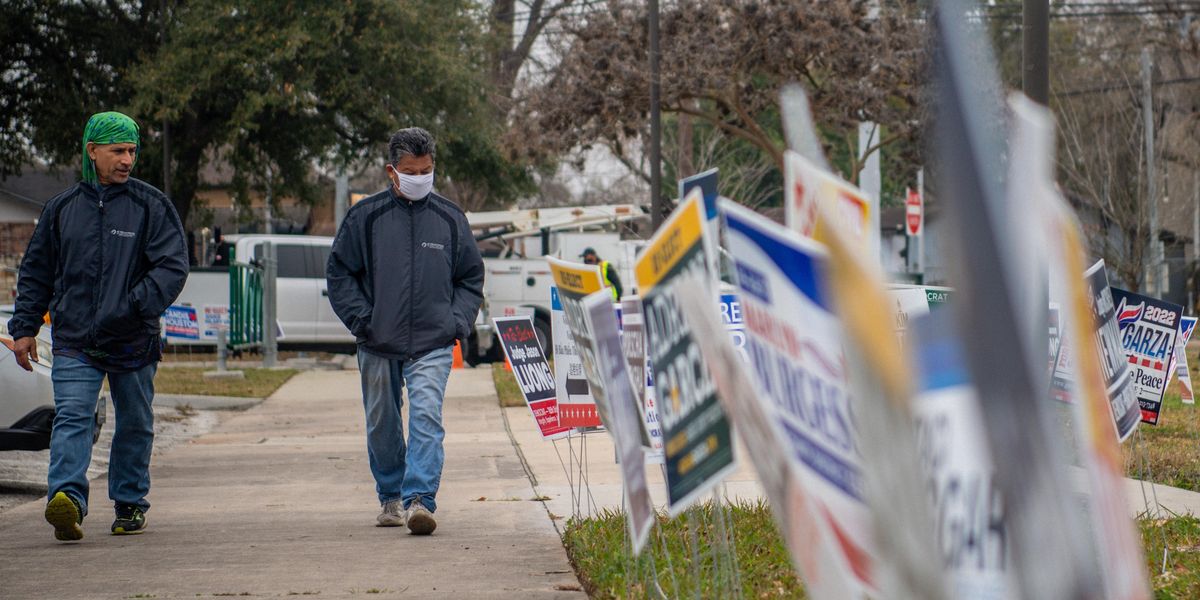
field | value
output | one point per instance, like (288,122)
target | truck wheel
(541,325)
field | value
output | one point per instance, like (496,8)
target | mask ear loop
(395,182)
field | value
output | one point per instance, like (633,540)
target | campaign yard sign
(518,338)
(698,445)
(1122,394)
(808,186)
(1149,328)
(731,316)
(180,322)
(1186,326)
(794,340)
(215,318)
(972,532)
(633,341)
(624,422)
(576,406)
(810,541)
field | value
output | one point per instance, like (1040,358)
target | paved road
(279,501)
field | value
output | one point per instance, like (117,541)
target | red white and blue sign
(180,322)
(1149,327)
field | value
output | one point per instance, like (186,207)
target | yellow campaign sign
(575,278)
(682,231)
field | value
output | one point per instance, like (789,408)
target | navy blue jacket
(405,276)
(106,262)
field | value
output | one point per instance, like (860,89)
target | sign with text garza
(1122,394)
(794,340)
(1148,328)
(519,340)
(624,422)
(698,446)
(574,281)
(1186,326)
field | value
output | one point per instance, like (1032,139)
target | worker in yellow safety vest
(607,271)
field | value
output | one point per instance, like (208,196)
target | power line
(1114,87)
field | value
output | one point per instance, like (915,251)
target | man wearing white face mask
(406,278)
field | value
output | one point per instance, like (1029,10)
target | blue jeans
(413,471)
(76,390)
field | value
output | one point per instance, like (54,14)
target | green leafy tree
(270,87)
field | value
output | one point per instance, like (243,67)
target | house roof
(35,185)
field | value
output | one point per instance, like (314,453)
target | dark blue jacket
(405,277)
(106,262)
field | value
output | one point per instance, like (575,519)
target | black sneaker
(130,520)
(66,515)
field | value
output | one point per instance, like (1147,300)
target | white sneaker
(420,520)
(391,515)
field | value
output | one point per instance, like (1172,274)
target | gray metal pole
(270,343)
(341,198)
(924,224)
(1152,284)
(222,350)
(656,200)
(1035,50)
(1196,215)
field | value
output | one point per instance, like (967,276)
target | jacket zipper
(100,271)
(412,275)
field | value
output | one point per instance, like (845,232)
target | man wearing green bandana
(108,256)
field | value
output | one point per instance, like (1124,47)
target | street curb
(206,402)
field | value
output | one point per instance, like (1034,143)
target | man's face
(591,259)
(114,162)
(411,165)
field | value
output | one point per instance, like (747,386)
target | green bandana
(106,128)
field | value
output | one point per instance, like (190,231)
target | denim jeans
(76,390)
(413,471)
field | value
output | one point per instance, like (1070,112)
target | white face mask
(414,187)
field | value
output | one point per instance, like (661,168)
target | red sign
(914,213)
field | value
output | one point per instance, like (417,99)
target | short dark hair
(412,141)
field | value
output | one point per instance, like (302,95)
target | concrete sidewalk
(279,501)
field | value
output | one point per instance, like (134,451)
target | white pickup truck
(305,317)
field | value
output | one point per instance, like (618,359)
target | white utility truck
(515,243)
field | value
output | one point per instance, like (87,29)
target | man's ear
(91,150)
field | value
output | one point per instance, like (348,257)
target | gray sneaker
(391,515)
(420,520)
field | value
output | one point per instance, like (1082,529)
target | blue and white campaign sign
(1186,326)
(971,522)
(731,316)
(794,341)
(180,322)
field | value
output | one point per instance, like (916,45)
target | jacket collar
(397,197)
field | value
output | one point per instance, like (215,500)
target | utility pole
(1152,279)
(166,127)
(656,200)
(1035,50)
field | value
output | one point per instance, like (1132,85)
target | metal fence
(245,304)
(252,304)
